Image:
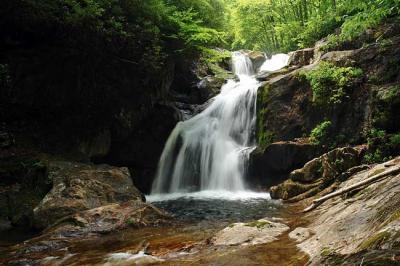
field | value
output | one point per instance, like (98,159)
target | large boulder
(257,58)
(279,159)
(78,187)
(318,173)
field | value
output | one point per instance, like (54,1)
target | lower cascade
(210,151)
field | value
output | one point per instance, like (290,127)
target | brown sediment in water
(185,244)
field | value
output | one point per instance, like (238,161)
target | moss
(264,137)
(375,241)
(394,217)
(377,172)
(326,252)
(259,224)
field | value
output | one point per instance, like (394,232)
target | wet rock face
(77,187)
(318,173)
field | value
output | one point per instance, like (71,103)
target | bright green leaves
(320,134)
(330,84)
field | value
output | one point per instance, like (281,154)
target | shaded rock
(23,184)
(253,233)
(319,172)
(142,149)
(97,146)
(301,57)
(78,187)
(6,139)
(279,159)
(209,87)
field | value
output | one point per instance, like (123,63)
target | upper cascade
(241,64)
(210,151)
(276,62)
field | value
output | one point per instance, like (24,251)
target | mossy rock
(375,241)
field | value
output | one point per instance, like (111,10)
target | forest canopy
(196,25)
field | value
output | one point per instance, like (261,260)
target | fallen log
(368,181)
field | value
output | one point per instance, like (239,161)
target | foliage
(331,84)
(284,25)
(321,133)
(382,146)
(395,140)
(363,15)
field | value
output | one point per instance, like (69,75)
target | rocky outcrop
(318,174)
(279,159)
(285,101)
(363,225)
(78,187)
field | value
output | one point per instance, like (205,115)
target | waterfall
(210,151)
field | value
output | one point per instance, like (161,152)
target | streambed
(186,241)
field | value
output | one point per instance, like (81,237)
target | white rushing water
(209,152)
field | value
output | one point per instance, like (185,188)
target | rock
(319,172)
(110,218)
(300,234)
(6,139)
(142,149)
(78,187)
(279,159)
(257,58)
(362,227)
(253,233)
(301,57)
(23,184)
(266,75)
(98,145)
(342,58)
(209,87)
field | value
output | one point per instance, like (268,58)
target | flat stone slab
(252,233)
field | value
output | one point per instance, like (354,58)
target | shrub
(330,84)
(320,134)
(395,140)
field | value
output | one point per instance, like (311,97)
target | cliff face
(73,90)
(352,89)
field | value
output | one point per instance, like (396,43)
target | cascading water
(210,150)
